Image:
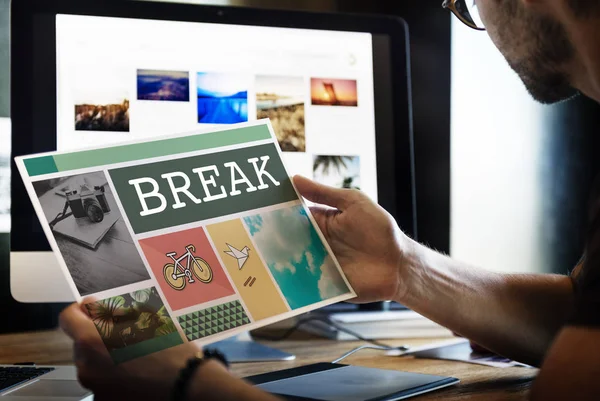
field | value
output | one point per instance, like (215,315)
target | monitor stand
(36,277)
(242,348)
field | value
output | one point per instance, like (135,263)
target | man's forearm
(514,315)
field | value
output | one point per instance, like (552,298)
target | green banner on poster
(175,192)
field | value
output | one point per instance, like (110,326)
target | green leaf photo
(130,319)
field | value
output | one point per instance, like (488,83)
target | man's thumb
(323,194)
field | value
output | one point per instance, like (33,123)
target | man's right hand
(366,240)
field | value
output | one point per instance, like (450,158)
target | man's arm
(515,315)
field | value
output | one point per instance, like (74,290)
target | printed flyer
(192,237)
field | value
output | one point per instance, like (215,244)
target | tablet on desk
(336,382)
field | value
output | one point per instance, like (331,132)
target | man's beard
(542,70)
(543,85)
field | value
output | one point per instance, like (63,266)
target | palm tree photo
(337,171)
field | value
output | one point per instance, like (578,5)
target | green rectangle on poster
(163,147)
(40,165)
(146,347)
(167,212)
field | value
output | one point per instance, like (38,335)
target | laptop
(53,383)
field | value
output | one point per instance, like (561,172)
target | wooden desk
(477,382)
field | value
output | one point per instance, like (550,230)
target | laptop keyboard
(11,376)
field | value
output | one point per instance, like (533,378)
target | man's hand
(382,263)
(365,239)
(150,377)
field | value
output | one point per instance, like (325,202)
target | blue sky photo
(222,98)
(296,256)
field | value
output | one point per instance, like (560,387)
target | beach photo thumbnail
(333,92)
(134,324)
(222,98)
(163,85)
(337,171)
(281,99)
(299,262)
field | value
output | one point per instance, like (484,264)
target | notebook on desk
(337,382)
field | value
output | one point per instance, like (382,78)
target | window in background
(4,121)
(4,175)
(497,139)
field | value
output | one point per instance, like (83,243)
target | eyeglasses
(466,11)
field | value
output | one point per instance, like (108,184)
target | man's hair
(582,8)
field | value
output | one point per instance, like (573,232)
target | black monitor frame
(33,72)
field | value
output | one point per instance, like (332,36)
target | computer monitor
(88,73)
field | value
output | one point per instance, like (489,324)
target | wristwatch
(185,374)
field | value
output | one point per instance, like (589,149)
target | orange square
(186,268)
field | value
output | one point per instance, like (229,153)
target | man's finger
(88,346)
(323,216)
(76,323)
(85,301)
(324,195)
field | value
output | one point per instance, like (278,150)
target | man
(550,321)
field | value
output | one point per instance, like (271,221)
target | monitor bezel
(25,237)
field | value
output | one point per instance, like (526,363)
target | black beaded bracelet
(185,374)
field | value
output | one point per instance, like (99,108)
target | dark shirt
(586,276)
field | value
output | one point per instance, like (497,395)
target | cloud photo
(298,260)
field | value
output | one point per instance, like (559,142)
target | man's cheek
(483,6)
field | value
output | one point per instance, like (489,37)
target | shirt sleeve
(586,277)
(587,298)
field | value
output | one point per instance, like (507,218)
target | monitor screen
(336,89)
(121,79)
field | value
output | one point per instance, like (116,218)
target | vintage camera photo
(88,201)
(90,232)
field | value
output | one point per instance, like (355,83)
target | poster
(190,237)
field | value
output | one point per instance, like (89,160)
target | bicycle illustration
(175,273)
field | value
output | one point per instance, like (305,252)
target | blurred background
(502,182)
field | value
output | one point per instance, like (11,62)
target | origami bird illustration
(241,256)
